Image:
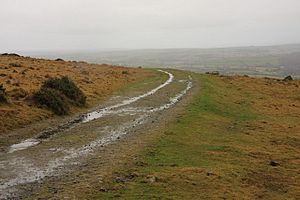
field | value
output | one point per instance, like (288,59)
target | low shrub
(2,94)
(57,93)
(53,99)
(68,88)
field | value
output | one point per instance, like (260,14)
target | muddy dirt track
(65,148)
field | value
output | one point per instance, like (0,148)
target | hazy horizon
(267,60)
(82,25)
(142,49)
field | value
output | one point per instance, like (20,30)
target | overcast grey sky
(98,24)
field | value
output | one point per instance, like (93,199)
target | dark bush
(68,88)
(10,54)
(56,93)
(288,78)
(2,94)
(15,65)
(53,99)
(125,72)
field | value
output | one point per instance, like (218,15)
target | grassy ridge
(228,145)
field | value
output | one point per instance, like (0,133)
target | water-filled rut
(54,152)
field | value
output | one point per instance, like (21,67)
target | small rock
(274,163)
(102,189)
(151,179)
(210,174)
(120,180)
(134,174)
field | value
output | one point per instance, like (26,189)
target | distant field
(276,61)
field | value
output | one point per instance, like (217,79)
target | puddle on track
(98,114)
(23,145)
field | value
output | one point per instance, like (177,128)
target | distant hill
(269,60)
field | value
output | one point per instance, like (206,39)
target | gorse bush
(56,93)
(67,87)
(2,94)
(53,99)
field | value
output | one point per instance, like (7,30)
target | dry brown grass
(271,96)
(22,76)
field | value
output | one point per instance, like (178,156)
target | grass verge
(238,139)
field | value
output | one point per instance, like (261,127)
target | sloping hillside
(22,76)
